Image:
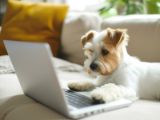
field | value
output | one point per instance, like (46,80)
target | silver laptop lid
(35,70)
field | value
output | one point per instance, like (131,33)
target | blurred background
(105,8)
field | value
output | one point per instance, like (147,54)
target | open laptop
(36,73)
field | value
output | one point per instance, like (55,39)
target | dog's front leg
(85,85)
(82,85)
(110,92)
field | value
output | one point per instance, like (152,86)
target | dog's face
(102,50)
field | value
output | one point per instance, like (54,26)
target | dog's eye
(91,51)
(104,52)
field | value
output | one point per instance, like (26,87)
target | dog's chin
(103,73)
(104,69)
(92,73)
(96,73)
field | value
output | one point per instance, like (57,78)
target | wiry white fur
(142,77)
(110,92)
(99,36)
(132,77)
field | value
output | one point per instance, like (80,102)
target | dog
(118,75)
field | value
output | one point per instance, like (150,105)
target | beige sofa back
(144,32)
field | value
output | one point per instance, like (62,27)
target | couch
(144,43)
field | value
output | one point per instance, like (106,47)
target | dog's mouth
(103,69)
(91,72)
(100,70)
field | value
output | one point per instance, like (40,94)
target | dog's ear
(116,36)
(87,37)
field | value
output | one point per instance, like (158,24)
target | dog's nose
(93,66)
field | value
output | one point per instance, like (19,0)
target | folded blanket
(6,66)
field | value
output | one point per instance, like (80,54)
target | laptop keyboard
(78,100)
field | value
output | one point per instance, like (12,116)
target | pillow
(34,22)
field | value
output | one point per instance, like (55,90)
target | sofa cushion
(144,32)
(16,106)
(23,108)
(76,25)
(36,22)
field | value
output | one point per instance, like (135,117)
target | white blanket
(5,65)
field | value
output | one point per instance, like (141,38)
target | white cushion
(144,32)
(74,27)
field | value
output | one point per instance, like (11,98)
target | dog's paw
(111,92)
(105,93)
(80,85)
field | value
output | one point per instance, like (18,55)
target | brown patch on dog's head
(111,50)
(104,52)
(87,37)
(115,36)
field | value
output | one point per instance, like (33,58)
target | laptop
(35,70)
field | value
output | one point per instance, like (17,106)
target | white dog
(119,75)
